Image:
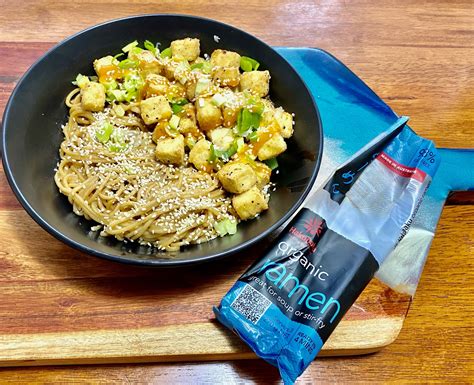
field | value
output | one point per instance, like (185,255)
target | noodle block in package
(286,305)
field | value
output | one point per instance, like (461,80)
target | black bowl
(35,112)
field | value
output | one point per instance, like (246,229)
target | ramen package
(287,304)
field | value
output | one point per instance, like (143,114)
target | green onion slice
(226,226)
(166,52)
(129,46)
(103,135)
(248,64)
(150,46)
(246,121)
(272,163)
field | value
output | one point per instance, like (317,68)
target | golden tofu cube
(222,138)
(237,177)
(257,82)
(156,85)
(229,116)
(191,89)
(154,109)
(199,155)
(285,121)
(226,76)
(187,126)
(160,130)
(263,173)
(223,58)
(249,204)
(186,48)
(272,147)
(170,150)
(209,116)
(147,62)
(177,68)
(100,64)
(93,96)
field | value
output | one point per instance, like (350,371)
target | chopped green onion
(253,136)
(225,155)
(213,153)
(117,147)
(202,85)
(240,142)
(218,100)
(177,105)
(181,102)
(127,63)
(226,226)
(118,55)
(272,163)
(248,64)
(176,108)
(255,105)
(205,67)
(174,122)
(246,121)
(166,52)
(81,81)
(94,78)
(129,46)
(103,135)
(150,46)
(119,95)
(134,51)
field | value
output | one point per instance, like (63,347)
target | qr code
(251,304)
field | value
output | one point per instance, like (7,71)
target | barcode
(251,304)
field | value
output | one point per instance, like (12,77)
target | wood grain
(416,55)
(435,344)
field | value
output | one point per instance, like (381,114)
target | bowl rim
(123,258)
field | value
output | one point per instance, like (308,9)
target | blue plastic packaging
(286,305)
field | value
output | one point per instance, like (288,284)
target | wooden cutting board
(60,306)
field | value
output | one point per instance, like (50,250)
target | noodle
(167,148)
(129,193)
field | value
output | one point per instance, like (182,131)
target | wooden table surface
(419,57)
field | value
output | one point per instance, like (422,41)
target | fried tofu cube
(186,48)
(187,126)
(229,116)
(209,116)
(177,68)
(93,96)
(170,150)
(199,155)
(249,204)
(237,177)
(263,173)
(160,130)
(148,62)
(100,64)
(223,58)
(226,76)
(156,85)
(285,121)
(222,138)
(257,82)
(176,91)
(272,147)
(154,109)
(191,89)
